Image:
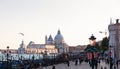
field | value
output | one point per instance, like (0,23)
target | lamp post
(7,55)
(92,52)
(105,32)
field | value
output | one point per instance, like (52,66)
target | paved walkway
(83,65)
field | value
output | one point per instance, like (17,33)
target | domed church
(56,45)
(58,42)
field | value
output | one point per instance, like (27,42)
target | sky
(76,19)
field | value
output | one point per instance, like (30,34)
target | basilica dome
(59,38)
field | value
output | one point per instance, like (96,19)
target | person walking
(53,67)
(117,63)
(76,61)
(68,63)
(102,64)
(111,63)
(80,60)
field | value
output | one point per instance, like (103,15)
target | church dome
(59,38)
(50,38)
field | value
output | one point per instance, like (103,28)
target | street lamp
(92,40)
(92,52)
(7,55)
(105,32)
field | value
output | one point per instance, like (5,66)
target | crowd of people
(63,58)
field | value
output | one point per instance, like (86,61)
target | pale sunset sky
(76,19)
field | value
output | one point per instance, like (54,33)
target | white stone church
(56,45)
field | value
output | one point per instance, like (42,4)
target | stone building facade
(114,39)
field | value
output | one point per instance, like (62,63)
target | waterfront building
(77,49)
(114,39)
(40,48)
(56,45)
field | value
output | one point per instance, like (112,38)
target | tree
(104,44)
